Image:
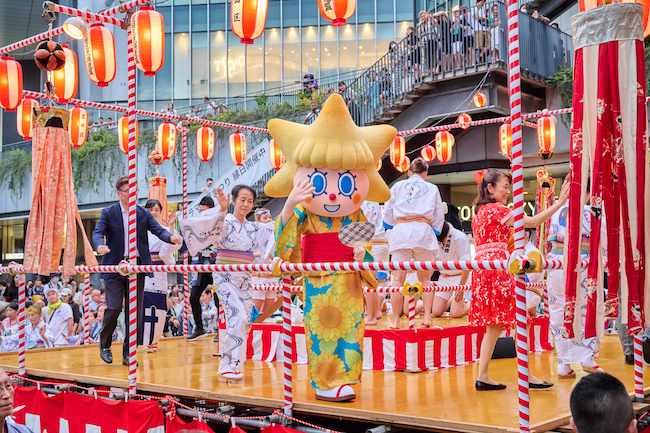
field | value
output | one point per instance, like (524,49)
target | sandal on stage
(484,386)
(592,368)
(542,385)
(231,375)
(570,375)
(339,394)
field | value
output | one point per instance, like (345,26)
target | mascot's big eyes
(347,184)
(319,182)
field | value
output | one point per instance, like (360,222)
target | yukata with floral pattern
(493,292)
(333,309)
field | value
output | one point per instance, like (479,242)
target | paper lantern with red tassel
(99,52)
(123,134)
(505,140)
(337,11)
(149,34)
(397,151)
(25,117)
(238,148)
(464,120)
(546,136)
(248,19)
(78,127)
(205,143)
(66,79)
(11,83)
(478,176)
(275,155)
(166,140)
(480,100)
(444,146)
(428,153)
(404,165)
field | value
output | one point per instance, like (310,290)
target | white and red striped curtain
(608,154)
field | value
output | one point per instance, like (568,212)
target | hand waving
(301,191)
(566,187)
(222,199)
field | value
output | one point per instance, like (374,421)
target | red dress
(493,292)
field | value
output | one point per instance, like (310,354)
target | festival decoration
(11,83)
(99,52)
(78,127)
(275,155)
(585,5)
(505,139)
(404,165)
(336,11)
(49,56)
(428,153)
(205,143)
(397,151)
(478,176)
(444,145)
(544,198)
(149,37)
(166,140)
(25,117)
(123,134)
(546,136)
(480,100)
(65,79)
(248,19)
(238,148)
(464,120)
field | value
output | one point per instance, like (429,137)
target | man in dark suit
(111,239)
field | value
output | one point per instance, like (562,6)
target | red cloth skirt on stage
(493,292)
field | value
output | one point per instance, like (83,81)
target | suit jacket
(109,231)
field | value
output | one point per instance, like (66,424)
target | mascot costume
(330,169)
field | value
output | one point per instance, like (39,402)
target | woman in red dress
(493,292)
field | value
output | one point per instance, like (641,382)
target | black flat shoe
(106,355)
(483,386)
(543,385)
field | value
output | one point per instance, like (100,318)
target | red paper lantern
(248,19)
(25,117)
(444,146)
(66,79)
(428,153)
(11,83)
(205,143)
(404,165)
(238,148)
(149,37)
(480,100)
(464,120)
(337,11)
(100,55)
(166,141)
(546,136)
(276,155)
(123,134)
(397,151)
(78,127)
(505,140)
(478,176)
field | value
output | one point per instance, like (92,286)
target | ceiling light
(75,28)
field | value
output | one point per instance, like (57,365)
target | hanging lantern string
(88,16)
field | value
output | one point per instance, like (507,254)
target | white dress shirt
(125,224)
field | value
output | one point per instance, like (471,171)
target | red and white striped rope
(287,351)
(186,276)
(132,222)
(22,321)
(88,16)
(31,40)
(86,304)
(638,367)
(124,7)
(430,288)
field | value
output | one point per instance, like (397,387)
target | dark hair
(151,203)
(238,188)
(13,305)
(444,231)
(209,179)
(600,404)
(419,165)
(491,177)
(121,181)
(207,292)
(207,201)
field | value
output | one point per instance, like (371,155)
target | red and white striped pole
(132,222)
(411,303)
(22,340)
(639,394)
(86,303)
(514,90)
(287,353)
(186,276)
(86,15)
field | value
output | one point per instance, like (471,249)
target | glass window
(199,18)
(309,12)
(401,29)
(365,12)
(236,65)
(328,51)
(385,10)
(200,69)
(13,241)
(385,34)
(255,65)
(218,16)
(290,12)
(145,86)
(404,10)
(348,47)
(181,19)
(164,76)
(272,58)
(218,64)
(292,55)
(310,57)
(181,66)
(273,13)
(367,45)
(166,12)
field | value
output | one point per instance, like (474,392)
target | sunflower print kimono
(334,324)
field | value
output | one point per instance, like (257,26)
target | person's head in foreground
(600,404)
(6,395)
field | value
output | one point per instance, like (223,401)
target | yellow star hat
(332,142)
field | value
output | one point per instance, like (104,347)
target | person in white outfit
(58,320)
(379,250)
(453,246)
(415,210)
(265,300)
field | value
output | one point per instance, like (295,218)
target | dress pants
(199,284)
(117,295)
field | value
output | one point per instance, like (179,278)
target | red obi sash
(325,247)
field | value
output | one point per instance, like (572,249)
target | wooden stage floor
(440,400)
